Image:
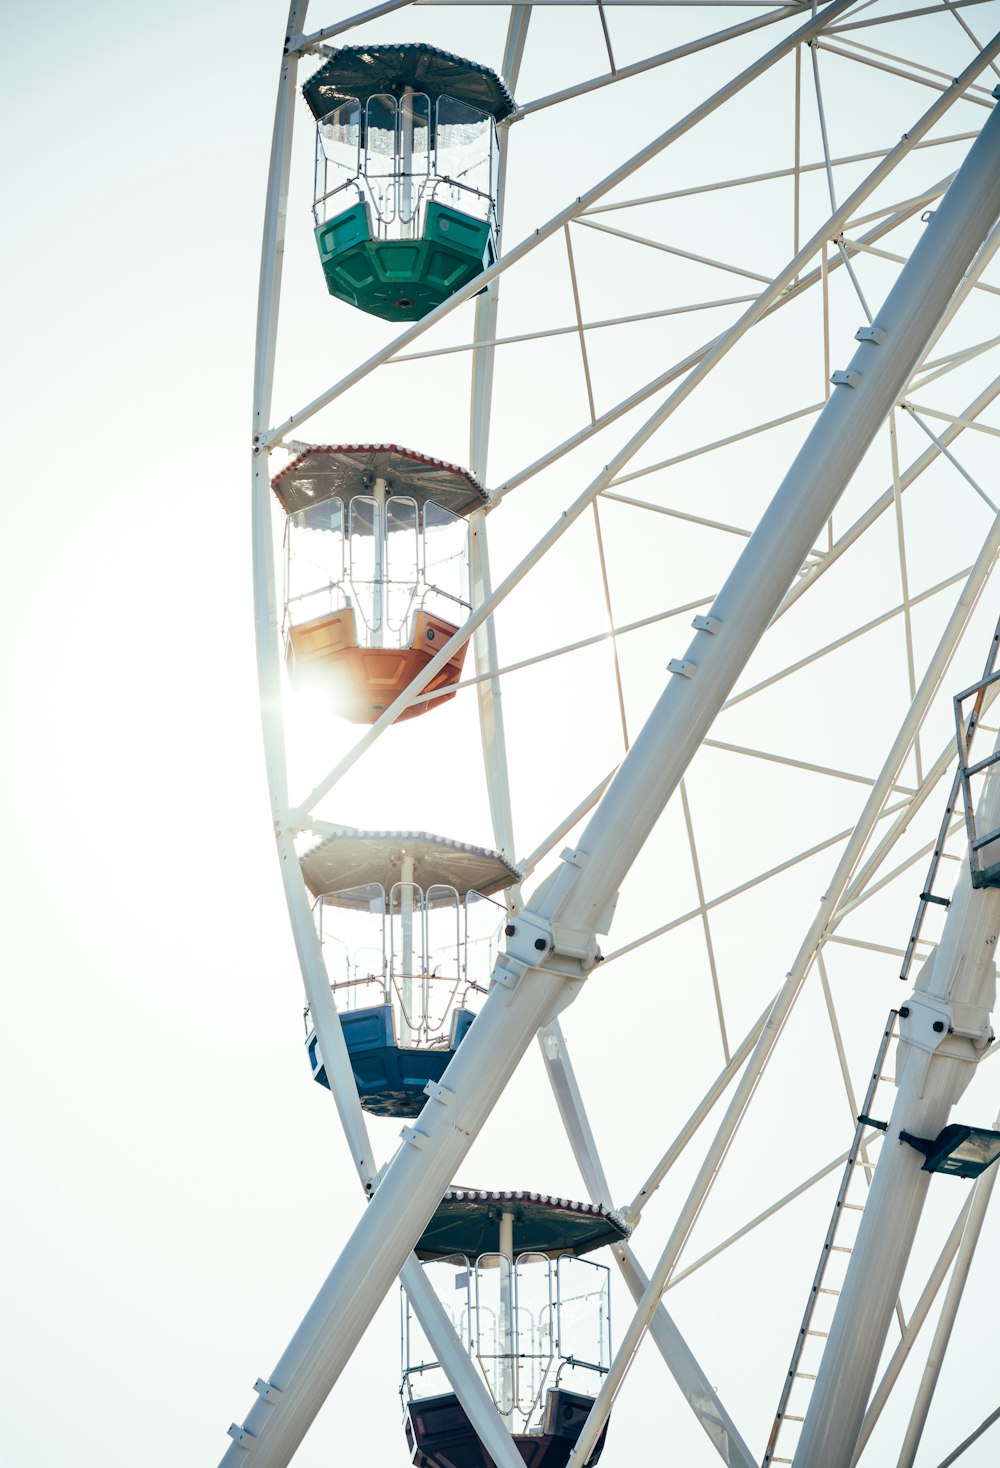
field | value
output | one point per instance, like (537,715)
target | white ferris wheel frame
(554,945)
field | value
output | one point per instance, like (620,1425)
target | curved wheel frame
(827,763)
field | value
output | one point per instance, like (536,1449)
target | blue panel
(461,1023)
(368,1029)
(390,1080)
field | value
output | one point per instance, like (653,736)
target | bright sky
(176,1187)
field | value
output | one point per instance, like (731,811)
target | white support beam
(703,367)
(677,130)
(553,943)
(792,286)
(943,1031)
(774,173)
(484,642)
(878,508)
(751,882)
(908,317)
(914,1325)
(469,1386)
(650,63)
(981,1194)
(695,1386)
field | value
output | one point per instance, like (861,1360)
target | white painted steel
(307,1366)
(701,365)
(695,1386)
(505,1330)
(980,1201)
(935,1069)
(461,1371)
(570,211)
(406,1035)
(578,895)
(491,726)
(468,1385)
(914,1325)
(744,607)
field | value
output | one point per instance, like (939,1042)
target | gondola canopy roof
(365,71)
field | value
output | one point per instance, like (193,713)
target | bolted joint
(955,1029)
(540,943)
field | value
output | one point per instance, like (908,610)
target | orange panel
(320,637)
(363,681)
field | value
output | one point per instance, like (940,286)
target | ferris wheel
(624,529)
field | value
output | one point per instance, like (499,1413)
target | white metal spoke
(800,764)
(707,448)
(873,514)
(857,25)
(926,412)
(917,1318)
(954,8)
(650,63)
(705,924)
(738,891)
(789,285)
(694,1121)
(930,70)
(572,211)
(755,1222)
(973,1437)
(851,51)
(942,367)
(638,239)
(943,449)
(821,110)
(848,637)
(606,371)
(904,582)
(553,331)
(584,642)
(773,174)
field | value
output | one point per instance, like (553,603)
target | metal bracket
(438,1092)
(509,971)
(415,1138)
(707,624)
(241,1437)
(265,1390)
(684,667)
(874,334)
(846,377)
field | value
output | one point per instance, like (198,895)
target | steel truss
(883,533)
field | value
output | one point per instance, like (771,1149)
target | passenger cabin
(376,572)
(410,935)
(530,1311)
(406,174)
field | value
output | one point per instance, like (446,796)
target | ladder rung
(823,1291)
(839,1249)
(805,1376)
(789,1418)
(855,1207)
(824,1334)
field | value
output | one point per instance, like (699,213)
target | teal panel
(457,231)
(344,230)
(400,261)
(401,280)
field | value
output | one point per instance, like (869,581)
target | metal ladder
(965,728)
(828,1280)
